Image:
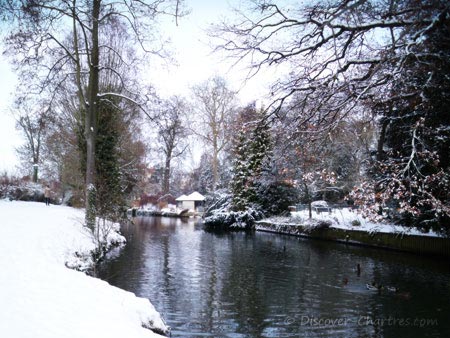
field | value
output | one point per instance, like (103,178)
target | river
(266,285)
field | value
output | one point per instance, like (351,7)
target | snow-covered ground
(41,297)
(350,220)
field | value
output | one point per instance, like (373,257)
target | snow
(195,196)
(321,204)
(182,198)
(41,297)
(348,219)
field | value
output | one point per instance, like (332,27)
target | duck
(371,287)
(403,295)
(358,269)
(392,288)
(374,287)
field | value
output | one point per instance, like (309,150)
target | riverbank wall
(426,245)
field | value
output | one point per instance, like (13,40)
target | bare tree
(339,54)
(216,110)
(33,123)
(59,41)
(172,133)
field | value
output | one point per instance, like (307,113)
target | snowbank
(41,297)
(349,219)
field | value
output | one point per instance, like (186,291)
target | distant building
(194,201)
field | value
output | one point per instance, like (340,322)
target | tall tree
(57,41)
(215,112)
(252,152)
(34,125)
(172,133)
(201,177)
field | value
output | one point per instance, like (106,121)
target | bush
(233,220)
(356,223)
(276,197)
(20,190)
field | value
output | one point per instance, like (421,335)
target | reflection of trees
(209,315)
(158,278)
(131,259)
(243,286)
(166,273)
(259,273)
(171,267)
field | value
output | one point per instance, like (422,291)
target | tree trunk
(215,165)
(381,140)
(35,172)
(308,199)
(166,179)
(91,119)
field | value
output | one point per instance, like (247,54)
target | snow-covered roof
(195,196)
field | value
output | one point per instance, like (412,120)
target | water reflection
(265,285)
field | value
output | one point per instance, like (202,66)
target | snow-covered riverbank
(348,219)
(41,297)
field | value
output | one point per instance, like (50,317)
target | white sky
(196,63)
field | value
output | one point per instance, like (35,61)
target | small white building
(193,201)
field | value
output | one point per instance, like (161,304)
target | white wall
(188,205)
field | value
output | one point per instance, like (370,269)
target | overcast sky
(195,62)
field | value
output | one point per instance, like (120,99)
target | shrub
(275,197)
(356,223)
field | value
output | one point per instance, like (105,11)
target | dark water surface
(267,285)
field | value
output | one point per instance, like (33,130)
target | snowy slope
(41,297)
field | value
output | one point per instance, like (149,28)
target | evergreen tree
(252,152)
(240,182)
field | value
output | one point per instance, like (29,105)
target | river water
(268,285)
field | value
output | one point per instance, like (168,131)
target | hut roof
(195,196)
